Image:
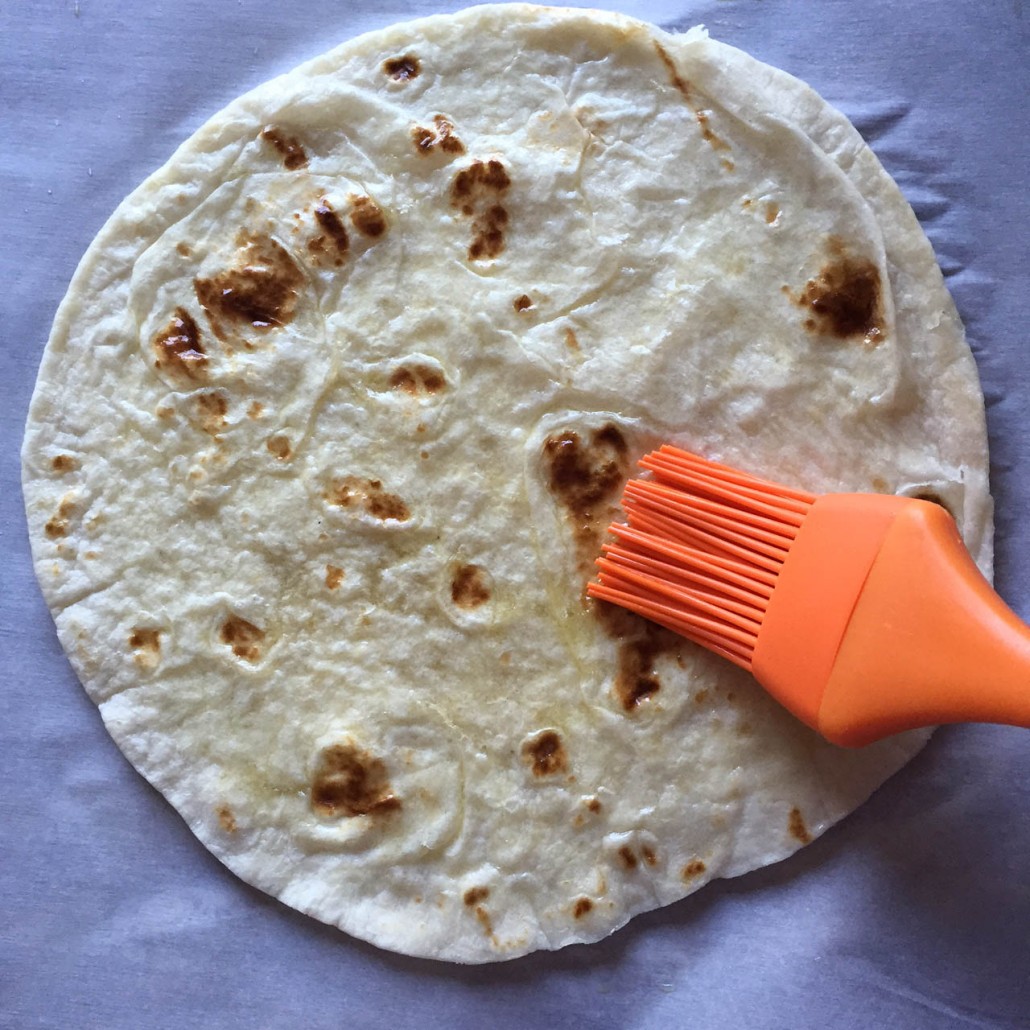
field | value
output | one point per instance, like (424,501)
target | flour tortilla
(339,399)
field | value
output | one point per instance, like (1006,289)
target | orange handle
(928,642)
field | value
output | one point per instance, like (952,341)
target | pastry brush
(863,614)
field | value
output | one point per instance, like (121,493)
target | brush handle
(928,642)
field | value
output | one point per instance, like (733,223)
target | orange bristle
(702,550)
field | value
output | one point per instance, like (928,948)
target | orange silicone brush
(862,613)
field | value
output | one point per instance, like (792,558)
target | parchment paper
(915,912)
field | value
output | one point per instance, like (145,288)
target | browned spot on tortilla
(522,303)
(585,476)
(440,137)
(880,485)
(420,428)
(178,350)
(57,526)
(289,147)
(367,216)
(772,211)
(226,819)
(477,192)
(640,644)
(183,249)
(63,463)
(594,805)
(745,203)
(727,164)
(417,379)
(845,297)
(145,639)
(701,697)
(423,455)
(586,479)
(695,867)
(570,340)
(635,681)
(474,895)
(629,860)
(714,141)
(279,446)
(164,412)
(367,495)
(333,576)
(796,826)
(469,587)
(674,75)
(582,907)
(648,854)
(702,116)
(546,754)
(212,408)
(489,239)
(333,243)
(484,920)
(402,68)
(243,637)
(350,782)
(255,409)
(258,292)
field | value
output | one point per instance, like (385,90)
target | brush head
(701,550)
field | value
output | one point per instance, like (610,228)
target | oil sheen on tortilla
(340,401)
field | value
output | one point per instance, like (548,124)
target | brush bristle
(701,550)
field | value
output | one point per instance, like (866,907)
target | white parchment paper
(915,912)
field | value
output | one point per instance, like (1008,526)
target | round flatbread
(340,402)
